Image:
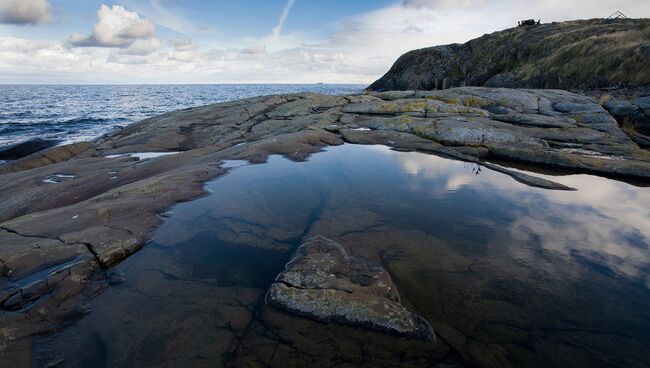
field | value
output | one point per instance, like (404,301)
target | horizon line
(178,84)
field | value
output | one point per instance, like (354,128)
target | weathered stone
(324,283)
(620,108)
(633,115)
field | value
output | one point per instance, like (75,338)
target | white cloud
(255,50)
(142,47)
(184,50)
(116,27)
(25,11)
(182,44)
(442,4)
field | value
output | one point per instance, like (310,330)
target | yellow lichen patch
(403,119)
(8,334)
(415,106)
(449,100)
(387,108)
(77,278)
(471,101)
(103,214)
(472,110)
(578,117)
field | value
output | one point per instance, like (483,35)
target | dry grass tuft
(628,127)
(604,98)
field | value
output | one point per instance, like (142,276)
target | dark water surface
(76,113)
(508,275)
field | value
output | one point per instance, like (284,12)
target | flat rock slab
(324,283)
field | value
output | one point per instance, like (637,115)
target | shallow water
(508,275)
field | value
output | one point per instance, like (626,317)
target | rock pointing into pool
(324,283)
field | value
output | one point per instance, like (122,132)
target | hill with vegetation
(574,55)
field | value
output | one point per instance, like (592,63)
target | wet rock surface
(104,207)
(324,283)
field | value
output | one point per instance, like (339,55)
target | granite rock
(324,283)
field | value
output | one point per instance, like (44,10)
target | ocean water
(75,113)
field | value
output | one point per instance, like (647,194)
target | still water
(507,275)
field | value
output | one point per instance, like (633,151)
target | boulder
(633,115)
(324,283)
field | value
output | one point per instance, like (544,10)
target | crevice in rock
(5,269)
(87,245)
(94,253)
(119,228)
(239,338)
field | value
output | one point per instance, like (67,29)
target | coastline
(107,203)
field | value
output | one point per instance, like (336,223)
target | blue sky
(225,19)
(249,41)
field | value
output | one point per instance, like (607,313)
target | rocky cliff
(575,55)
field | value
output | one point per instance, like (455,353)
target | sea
(73,113)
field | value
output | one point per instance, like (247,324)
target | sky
(250,41)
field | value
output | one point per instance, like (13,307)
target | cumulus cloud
(184,50)
(116,27)
(25,12)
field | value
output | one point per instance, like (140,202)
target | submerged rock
(324,283)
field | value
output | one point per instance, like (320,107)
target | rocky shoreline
(73,212)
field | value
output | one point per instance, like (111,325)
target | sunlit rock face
(323,282)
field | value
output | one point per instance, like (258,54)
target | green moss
(578,117)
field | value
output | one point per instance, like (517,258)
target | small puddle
(142,155)
(57,178)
